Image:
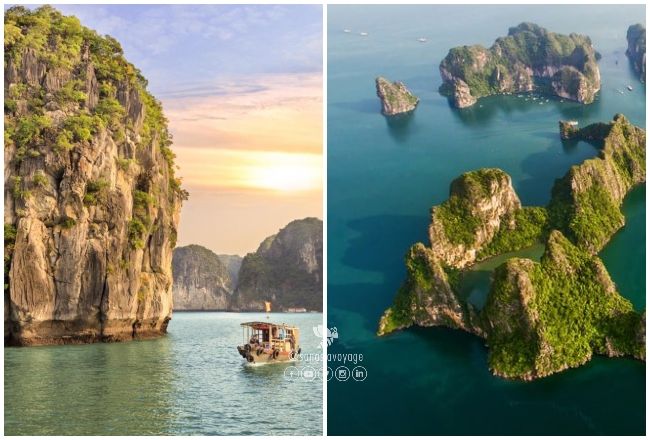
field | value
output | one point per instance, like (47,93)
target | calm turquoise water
(384,176)
(189,382)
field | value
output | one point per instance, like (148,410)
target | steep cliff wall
(479,202)
(201,280)
(529,59)
(287,269)
(91,201)
(636,48)
(395,97)
(545,317)
(233,264)
(585,203)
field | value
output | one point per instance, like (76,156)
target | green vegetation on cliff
(530,227)
(456,213)
(540,318)
(89,161)
(529,58)
(88,84)
(585,203)
(567,308)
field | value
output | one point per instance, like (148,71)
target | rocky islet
(395,98)
(529,59)
(536,313)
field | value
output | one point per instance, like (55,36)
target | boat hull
(266,356)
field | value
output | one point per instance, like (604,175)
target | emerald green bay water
(383,177)
(192,381)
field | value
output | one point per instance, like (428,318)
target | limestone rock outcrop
(395,97)
(636,48)
(585,203)
(91,201)
(286,269)
(483,199)
(201,280)
(529,59)
(540,317)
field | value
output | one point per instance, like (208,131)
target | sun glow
(233,170)
(286,172)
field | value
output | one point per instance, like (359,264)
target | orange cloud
(250,154)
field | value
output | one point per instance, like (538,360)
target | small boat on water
(363,34)
(266,342)
(347,31)
(629,87)
(422,40)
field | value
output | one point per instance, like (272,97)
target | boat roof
(264,325)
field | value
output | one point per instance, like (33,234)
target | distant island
(529,59)
(636,48)
(540,317)
(395,97)
(91,202)
(286,269)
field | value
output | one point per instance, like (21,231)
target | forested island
(540,317)
(530,58)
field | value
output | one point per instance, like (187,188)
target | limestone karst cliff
(91,201)
(395,97)
(201,279)
(585,203)
(636,48)
(286,269)
(529,59)
(540,317)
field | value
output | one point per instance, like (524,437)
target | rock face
(395,97)
(483,199)
(568,129)
(529,59)
(286,269)
(426,298)
(636,48)
(585,203)
(91,201)
(540,318)
(545,317)
(201,280)
(233,264)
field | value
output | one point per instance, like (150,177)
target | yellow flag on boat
(267,306)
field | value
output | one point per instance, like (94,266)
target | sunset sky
(242,88)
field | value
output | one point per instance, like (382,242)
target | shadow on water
(366,299)
(536,188)
(398,126)
(369,106)
(381,241)
(486,109)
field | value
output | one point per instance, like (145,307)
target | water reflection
(398,126)
(486,109)
(89,387)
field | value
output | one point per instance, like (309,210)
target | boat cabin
(269,336)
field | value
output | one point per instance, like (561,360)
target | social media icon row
(305,373)
(343,373)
